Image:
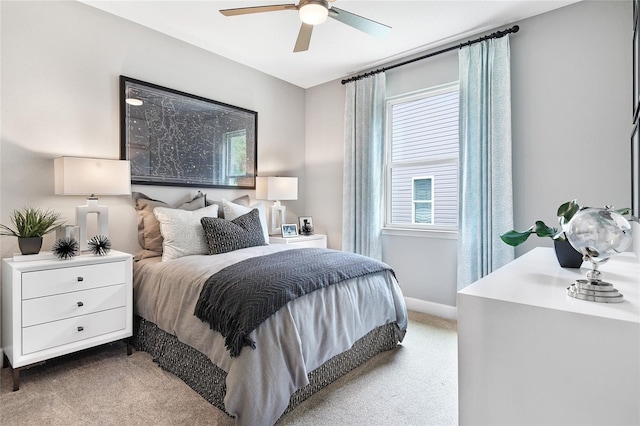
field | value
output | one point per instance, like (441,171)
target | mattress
(290,345)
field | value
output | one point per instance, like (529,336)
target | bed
(302,347)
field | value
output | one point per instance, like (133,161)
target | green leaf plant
(565,213)
(31,222)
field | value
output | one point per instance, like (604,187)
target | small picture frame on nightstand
(305,225)
(289,230)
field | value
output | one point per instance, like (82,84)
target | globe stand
(593,289)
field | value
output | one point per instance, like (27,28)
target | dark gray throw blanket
(238,298)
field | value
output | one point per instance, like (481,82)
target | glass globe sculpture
(598,234)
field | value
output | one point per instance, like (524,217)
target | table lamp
(276,188)
(91,176)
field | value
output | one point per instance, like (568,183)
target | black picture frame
(636,71)
(305,225)
(175,138)
(636,67)
(635,173)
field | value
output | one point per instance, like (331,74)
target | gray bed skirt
(196,369)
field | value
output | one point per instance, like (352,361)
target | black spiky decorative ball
(65,248)
(99,245)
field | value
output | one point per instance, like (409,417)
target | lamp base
(278,214)
(92,206)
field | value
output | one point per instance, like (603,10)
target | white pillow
(182,232)
(233,210)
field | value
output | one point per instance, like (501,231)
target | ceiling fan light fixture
(314,12)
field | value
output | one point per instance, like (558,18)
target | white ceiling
(265,41)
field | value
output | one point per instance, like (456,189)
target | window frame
(429,201)
(389,165)
(229,151)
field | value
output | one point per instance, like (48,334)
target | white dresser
(55,307)
(315,240)
(528,354)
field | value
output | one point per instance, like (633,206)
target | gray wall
(60,68)
(324,159)
(571,80)
(571,117)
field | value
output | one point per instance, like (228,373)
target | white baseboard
(431,308)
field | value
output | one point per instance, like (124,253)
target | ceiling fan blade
(304,38)
(257,9)
(373,28)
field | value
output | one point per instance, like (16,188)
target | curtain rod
(497,34)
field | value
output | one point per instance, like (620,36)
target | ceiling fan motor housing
(313,12)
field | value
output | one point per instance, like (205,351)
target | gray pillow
(149,236)
(243,201)
(228,235)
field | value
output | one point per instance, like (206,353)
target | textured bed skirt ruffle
(196,369)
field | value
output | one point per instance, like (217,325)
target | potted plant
(567,256)
(30,225)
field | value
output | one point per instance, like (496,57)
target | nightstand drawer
(57,333)
(317,243)
(316,240)
(65,280)
(67,305)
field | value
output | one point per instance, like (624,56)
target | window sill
(421,233)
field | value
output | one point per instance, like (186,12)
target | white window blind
(422,159)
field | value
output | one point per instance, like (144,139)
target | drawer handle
(80,328)
(80,304)
(80,279)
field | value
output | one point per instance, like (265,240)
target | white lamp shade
(276,188)
(84,176)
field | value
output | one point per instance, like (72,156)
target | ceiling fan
(314,12)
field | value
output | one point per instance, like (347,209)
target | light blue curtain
(486,193)
(362,201)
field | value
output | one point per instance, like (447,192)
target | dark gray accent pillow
(228,235)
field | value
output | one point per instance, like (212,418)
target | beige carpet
(415,384)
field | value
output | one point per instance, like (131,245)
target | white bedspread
(297,339)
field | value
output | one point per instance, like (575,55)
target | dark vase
(30,245)
(568,257)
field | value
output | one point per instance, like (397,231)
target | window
(422,159)
(422,190)
(235,153)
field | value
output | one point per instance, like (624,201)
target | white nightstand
(53,307)
(315,240)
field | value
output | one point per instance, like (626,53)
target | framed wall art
(635,173)
(636,68)
(177,139)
